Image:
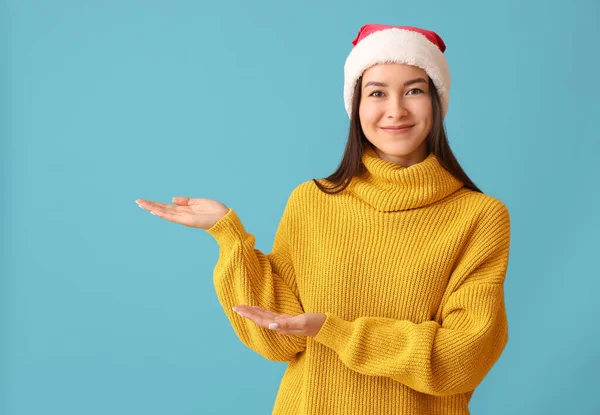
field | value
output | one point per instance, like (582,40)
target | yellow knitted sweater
(407,264)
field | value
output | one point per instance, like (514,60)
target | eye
(375,92)
(416,89)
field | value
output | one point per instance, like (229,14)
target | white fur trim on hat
(397,46)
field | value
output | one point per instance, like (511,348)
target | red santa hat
(376,43)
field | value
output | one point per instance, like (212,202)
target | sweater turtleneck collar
(390,187)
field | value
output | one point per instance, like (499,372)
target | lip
(398,129)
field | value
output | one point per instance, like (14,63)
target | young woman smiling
(385,286)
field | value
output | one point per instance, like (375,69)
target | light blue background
(107,309)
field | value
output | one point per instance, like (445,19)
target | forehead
(393,71)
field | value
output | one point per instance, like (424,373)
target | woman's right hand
(195,213)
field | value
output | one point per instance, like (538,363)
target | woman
(385,286)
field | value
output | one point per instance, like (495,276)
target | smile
(397,130)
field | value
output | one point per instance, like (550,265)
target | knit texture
(407,264)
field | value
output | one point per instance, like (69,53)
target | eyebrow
(407,83)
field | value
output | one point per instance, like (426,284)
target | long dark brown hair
(437,143)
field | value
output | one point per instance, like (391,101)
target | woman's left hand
(307,324)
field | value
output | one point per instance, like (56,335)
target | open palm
(196,213)
(307,324)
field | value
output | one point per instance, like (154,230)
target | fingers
(155,205)
(168,212)
(178,200)
(181,201)
(144,204)
(259,315)
(265,319)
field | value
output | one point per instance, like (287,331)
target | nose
(396,109)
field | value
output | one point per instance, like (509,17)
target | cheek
(424,113)
(368,114)
(429,118)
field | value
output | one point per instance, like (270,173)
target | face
(395,95)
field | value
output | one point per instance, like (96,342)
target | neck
(389,187)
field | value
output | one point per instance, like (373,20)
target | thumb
(180,200)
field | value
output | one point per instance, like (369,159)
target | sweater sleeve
(439,359)
(245,275)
